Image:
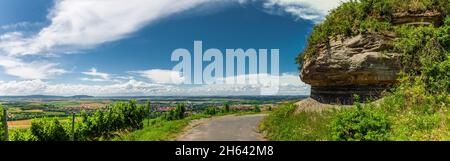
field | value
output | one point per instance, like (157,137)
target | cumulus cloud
(30,87)
(30,70)
(134,87)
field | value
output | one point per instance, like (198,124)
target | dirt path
(224,128)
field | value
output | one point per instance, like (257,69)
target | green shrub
(256,108)
(226,108)
(180,111)
(22,135)
(211,111)
(177,114)
(361,123)
(101,124)
(373,25)
(2,126)
(44,130)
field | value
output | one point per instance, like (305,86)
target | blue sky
(123,47)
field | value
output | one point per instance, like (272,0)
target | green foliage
(102,124)
(421,46)
(176,114)
(211,111)
(99,125)
(2,126)
(22,135)
(256,108)
(285,124)
(215,111)
(360,124)
(226,108)
(44,130)
(372,25)
(443,34)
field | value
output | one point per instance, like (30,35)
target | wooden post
(149,108)
(73,126)
(5,123)
(148,118)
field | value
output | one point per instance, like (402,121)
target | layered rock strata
(359,65)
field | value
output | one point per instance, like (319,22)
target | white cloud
(289,85)
(30,70)
(161,76)
(78,24)
(93,79)
(94,73)
(30,87)
(22,87)
(21,25)
(314,10)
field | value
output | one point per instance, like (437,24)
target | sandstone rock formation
(358,65)
(425,18)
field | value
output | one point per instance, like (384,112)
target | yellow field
(21,124)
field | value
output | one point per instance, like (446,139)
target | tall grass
(282,124)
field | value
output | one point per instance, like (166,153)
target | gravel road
(224,128)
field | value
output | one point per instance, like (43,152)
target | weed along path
(224,128)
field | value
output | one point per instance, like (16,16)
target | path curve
(224,128)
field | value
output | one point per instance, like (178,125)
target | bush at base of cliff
(360,123)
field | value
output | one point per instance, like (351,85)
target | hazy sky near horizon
(123,47)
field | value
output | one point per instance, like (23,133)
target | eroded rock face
(359,65)
(426,18)
(356,65)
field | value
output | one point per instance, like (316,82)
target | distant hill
(46,97)
(81,96)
